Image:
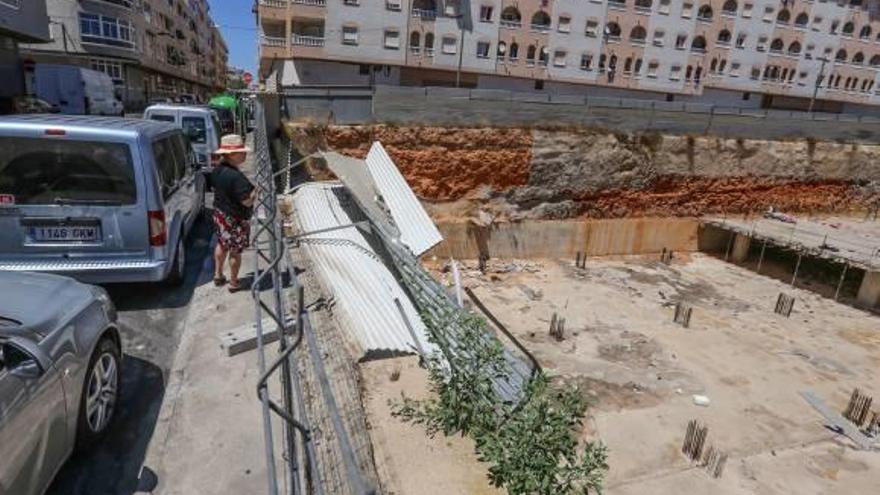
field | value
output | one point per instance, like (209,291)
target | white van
(76,90)
(200,124)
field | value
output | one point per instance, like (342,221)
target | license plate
(64,233)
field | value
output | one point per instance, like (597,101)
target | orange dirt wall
(444,163)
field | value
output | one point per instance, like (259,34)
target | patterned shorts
(232,233)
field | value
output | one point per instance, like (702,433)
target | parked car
(100,199)
(31,104)
(199,124)
(60,359)
(77,90)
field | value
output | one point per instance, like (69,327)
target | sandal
(218,281)
(234,288)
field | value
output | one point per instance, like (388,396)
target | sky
(239,29)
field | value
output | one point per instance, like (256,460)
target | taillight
(156,221)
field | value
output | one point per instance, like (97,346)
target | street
(151,318)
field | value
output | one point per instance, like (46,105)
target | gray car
(59,374)
(100,199)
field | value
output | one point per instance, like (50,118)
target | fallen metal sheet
(362,289)
(837,421)
(417,230)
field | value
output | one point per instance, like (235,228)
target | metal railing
(275,41)
(303,472)
(424,13)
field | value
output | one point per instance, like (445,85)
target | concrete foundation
(869,292)
(565,238)
(740,251)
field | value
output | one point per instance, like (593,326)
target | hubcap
(101,393)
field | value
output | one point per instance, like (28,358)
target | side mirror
(28,370)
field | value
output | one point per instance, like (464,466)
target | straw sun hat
(231,143)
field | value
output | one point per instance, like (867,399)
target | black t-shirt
(231,187)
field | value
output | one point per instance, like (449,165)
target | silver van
(97,198)
(199,124)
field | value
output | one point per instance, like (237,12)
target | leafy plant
(531,448)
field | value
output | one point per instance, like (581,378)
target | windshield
(41,171)
(162,118)
(195,129)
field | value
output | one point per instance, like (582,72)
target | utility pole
(819,79)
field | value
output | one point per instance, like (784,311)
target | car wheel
(100,393)
(178,268)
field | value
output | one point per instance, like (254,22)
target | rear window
(41,171)
(195,129)
(162,118)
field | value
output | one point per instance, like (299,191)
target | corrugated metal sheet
(417,231)
(362,287)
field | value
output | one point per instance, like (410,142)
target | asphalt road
(151,317)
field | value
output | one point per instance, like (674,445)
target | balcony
(319,3)
(303,40)
(274,3)
(426,14)
(506,24)
(273,41)
(540,28)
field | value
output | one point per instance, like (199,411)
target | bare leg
(234,266)
(219,260)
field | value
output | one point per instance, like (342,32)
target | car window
(44,171)
(166,166)
(195,128)
(181,150)
(162,118)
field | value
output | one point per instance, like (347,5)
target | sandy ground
(640,369)
(408,461)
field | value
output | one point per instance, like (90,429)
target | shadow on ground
(151,320)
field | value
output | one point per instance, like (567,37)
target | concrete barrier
(565,238)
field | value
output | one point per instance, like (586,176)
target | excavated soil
(524,173)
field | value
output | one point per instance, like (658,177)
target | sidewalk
(209,435)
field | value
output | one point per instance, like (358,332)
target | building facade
(150,48)
(21,21)
(772,53)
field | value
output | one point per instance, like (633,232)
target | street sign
(247,78)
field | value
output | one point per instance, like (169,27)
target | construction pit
(620,276)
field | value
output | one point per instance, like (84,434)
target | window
(541,21)
(450,8)
(564,25)
(349,35)
(865,33)
(559,58)
(643,5)
(834,25)
(486,13)
(109,67)
(768,13)
(659,34)
(195,128)
(858,58)
(429,44)
(729,8)
(686,10)
(734,69)
(106,30)
(741,40)
(166,166)
(755,75)
(747,10)
(783,17)
(449,45)
(849,28)
(762,44)
(539,84)
(675,73)
(794,48)
(698,44)
(483,49)
(724,37)
(841,55)
(705,13)
(801,20)
(638,35)
(514,51)
(392,39)
(680,41)
(415,42)
(39,170)
(587,61)
(875,61)
(664,7)
(776,45)
(612,31)
(501,50)
(592,28)
(653,67)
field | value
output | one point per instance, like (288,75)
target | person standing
(233,201)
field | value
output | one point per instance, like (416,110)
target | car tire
(100,393)
(178,266)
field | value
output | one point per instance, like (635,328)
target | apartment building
(773,53)
(20,21)
(150,48)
